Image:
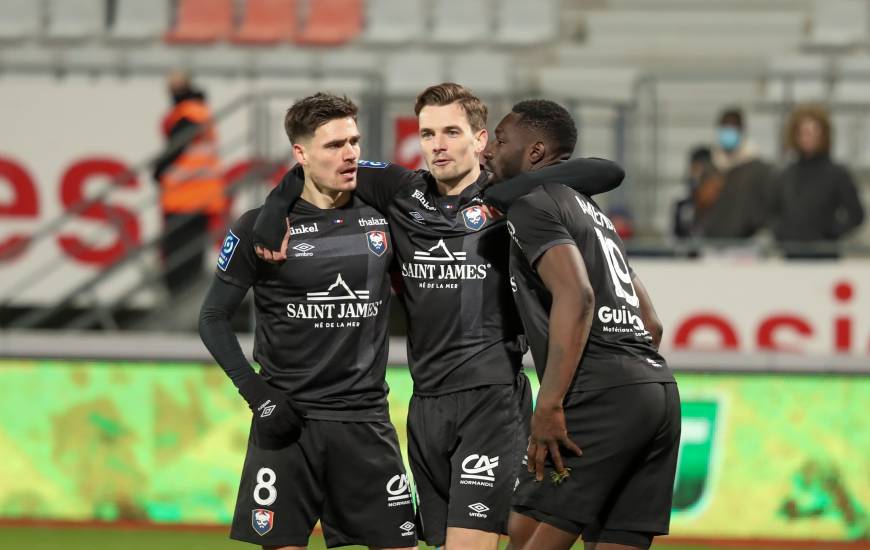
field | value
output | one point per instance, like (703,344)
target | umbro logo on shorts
(478,470)
(407,528)
(478,510)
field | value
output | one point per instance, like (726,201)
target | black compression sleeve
(589,176)
(216,331)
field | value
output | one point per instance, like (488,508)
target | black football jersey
(619,350)
(463,329)
(322,315)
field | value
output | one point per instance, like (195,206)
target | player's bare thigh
(460,538)
(520,529)
(548,537)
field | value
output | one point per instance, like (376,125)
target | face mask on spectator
(729,137)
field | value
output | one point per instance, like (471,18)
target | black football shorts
(624,481)
(349,475)
(465,450)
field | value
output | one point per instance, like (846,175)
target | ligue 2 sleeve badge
(262,520)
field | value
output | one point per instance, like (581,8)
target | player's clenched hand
(273,256)
(548,432)
(276,423)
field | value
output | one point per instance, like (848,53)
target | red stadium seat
(202,21)
(267,22)
(332,22)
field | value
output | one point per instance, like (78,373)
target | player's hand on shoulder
(273,256)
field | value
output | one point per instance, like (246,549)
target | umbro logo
(478,510)
(268,411)
(304,249)
(407,528)
(479,507)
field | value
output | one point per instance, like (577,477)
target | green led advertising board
(778,456)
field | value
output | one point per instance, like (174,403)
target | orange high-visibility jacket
(193,182)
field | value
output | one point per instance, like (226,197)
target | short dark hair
(448,93)
(551,120)
(732,116)
(310,113)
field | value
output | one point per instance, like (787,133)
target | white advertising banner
(758,308)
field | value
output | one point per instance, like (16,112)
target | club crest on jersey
(474,217)
(262,520)
(227,250)
(377,241)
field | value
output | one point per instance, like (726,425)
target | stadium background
(113,417)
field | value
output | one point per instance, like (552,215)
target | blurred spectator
(738,207)
(815,201)
(191,187)
(703,184)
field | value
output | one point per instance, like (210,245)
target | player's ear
(481,137)
(300,154)
(537,152)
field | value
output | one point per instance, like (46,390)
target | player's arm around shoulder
(271,231)
(378,183)
(589,176)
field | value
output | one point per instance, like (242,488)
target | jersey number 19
(618,267)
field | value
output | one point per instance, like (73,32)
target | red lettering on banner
(407,151)
(843,325)
(727,334)
(768,329)
(24,205)
(124,222)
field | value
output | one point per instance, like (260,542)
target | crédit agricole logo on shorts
(337,306)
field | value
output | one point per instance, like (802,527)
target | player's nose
(487,152)
(439,143)
(350,152)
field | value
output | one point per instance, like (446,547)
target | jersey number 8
(265,480)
